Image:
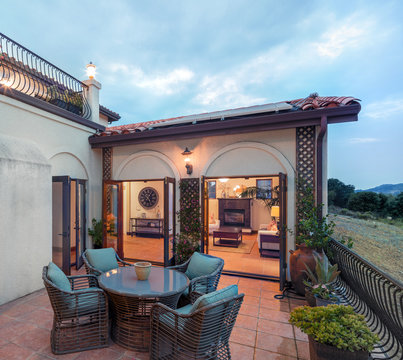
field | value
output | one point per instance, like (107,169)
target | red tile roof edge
(312,102)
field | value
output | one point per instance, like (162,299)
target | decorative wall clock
(148,198)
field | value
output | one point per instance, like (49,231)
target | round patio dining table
(131,300)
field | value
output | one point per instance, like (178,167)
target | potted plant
(318,287)
(313,232)
(334,332)
(96,233)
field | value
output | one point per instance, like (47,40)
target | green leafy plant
(270,197)
(335,325)
(189,216)
(312,229)
(96,232)
(185,247)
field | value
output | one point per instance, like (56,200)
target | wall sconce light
(91,70)
(189,166)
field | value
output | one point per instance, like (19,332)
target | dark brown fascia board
(236,126)
(43,105)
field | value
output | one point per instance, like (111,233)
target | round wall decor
(148,198)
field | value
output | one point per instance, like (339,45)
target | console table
(147,227)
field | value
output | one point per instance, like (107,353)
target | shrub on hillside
(338,192)
(364,201)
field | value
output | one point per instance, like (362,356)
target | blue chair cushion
(215,296)
(200,265)
(102,259)
(58,277)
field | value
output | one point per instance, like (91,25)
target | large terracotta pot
(302,255)
(318,351)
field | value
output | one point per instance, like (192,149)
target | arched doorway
(231,170)
(139,208)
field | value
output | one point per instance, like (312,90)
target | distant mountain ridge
(393,189)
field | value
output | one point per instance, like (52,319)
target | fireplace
(234,217)
(234,212)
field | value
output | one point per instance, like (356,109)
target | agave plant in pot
(312,234)
(318,287)
(334,332)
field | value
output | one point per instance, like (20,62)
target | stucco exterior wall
(258,153)
(64,145)
(25,195)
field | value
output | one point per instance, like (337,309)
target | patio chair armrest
(182,267)
(205,283)
(83,281)
(123,263)
(194,296)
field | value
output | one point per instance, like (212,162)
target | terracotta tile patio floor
(262,330)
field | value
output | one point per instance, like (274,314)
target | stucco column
(92,95)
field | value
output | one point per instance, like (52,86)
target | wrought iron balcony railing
(375,295)
(24,71)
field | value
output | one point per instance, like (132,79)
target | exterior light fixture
(188,166)
(223,180)
(91,70)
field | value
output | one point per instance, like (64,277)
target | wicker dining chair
(80,320)
(98,261)
(205,283)
(201,334)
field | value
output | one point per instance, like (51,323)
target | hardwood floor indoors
(247,260)
(149,249)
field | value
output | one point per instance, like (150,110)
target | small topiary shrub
(335,325)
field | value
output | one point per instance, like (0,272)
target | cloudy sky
(158,59)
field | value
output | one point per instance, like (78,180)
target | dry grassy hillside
(379,243)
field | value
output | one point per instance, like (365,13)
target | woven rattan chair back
(204,284)
(80,319)
(91,270)
(203,334)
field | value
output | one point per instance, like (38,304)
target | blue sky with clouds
(158,59)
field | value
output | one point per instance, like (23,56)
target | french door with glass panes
(68,222)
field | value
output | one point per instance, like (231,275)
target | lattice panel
(189,195)
(107,163)
(306,154)
(107,174)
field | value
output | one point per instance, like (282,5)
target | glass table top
(161,282)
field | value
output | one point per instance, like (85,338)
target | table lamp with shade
(275,212)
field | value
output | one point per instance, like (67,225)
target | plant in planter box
(312,235)
(319,281)
(335,332)
(96,233)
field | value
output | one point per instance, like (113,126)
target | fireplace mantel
(234,204)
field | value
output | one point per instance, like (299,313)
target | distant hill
(393,189)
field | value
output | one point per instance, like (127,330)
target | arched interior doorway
(247,232)
(139,208)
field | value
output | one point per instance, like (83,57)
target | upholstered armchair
(198,331)
(80,309)
(98,261)
(203,271)
(213,227)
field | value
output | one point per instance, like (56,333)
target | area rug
(244,248)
